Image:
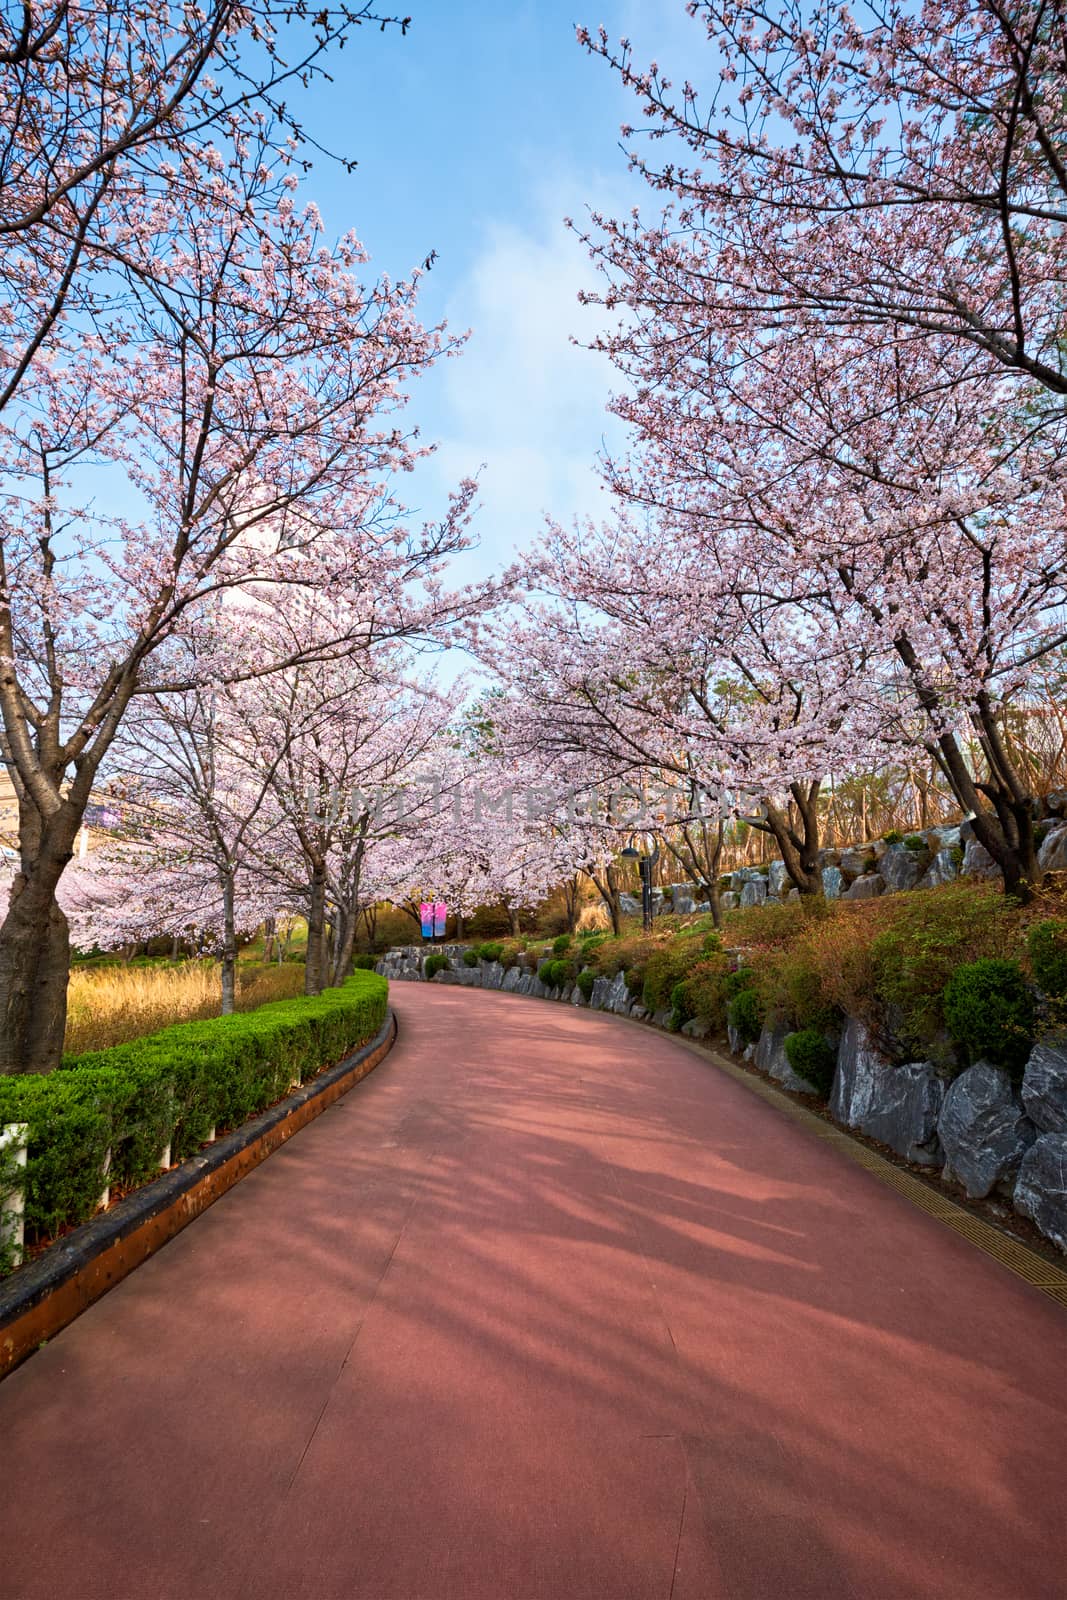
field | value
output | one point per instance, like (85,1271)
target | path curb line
(44,1297)
(1017,1257)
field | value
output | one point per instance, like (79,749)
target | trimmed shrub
(1046,945)
(634,980)
(364,963)
(745,1013)
(492,950)
(555,973)
(989,1010)
(172,1087)
(586,980)
(812,1059)
(470,958)
(435,963)
(561,944)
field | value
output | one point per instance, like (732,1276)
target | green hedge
(172,1088)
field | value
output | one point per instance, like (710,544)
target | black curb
(44,1296)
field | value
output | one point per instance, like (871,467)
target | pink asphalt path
(546,1307)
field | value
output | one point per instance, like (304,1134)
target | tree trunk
(799,843)
(608,889)
(269,937)
(35,946)
(514,922)
(345,944)
(313,969)
(229,947)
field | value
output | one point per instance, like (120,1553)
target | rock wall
(864,871)
(988,1136)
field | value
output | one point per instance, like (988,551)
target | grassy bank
(112,1004)
(946,975)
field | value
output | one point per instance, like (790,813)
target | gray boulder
(984,1131)
(1056,802)
(777,877)
(742,875)
(833,882)
(512,979)
(600,999)
(854,862)
(630,905)
(662,1019)
(868,887)
(948,838)
(942,869)
(492,975)
(733,1038)
(728,900)
(1041,1188)
(683,904)
(638,1012)
(860,1066)
(902,868)
(697,1028)
(1044,1086)
(1052,856)
(905,1105)
(620,997)
(754,892)
(771,1058)
(977,862)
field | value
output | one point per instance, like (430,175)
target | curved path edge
(1011,1252)
(46,1295)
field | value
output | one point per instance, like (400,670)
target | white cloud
(522,398)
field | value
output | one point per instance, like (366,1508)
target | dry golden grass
(111,1005)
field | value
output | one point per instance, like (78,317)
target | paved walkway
(546,1309)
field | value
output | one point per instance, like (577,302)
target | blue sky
(475,135)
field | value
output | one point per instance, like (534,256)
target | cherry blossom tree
(249,388)
(874,165)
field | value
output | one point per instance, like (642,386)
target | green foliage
(916,842)
(1041,833)
(894,837)
(435,963)
(706,992)
(667,965)
(470,958)
(586,980)
(989,1010)
(812,1059)
(681,1005)
(908,963)
(172,1088)
(556,972)
(790,984)
(492,950)
(745,1013)
(634,980)
(1046,945)
(957,856)
(561,944)
(364,963)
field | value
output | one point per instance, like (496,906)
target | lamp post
(645,861)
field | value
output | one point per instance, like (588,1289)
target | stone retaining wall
(865,871)
(987,1136)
